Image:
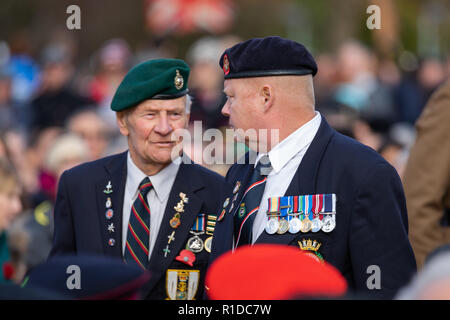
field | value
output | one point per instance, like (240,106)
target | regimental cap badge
(226,65)
(178,81)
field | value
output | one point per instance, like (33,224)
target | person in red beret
(255,273)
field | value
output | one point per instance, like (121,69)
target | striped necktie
(138,232)
(244,216)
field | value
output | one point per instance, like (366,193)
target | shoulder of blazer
(91,170)
(352,152)
(198,177)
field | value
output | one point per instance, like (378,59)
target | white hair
(188,104)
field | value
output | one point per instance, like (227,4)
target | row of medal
(294,224)
(301,213)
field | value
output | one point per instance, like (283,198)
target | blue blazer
(82,227)
(371,218)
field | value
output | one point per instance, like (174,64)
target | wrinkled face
(10,207)
(149,127)
(244,108)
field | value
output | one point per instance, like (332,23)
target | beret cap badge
(178,81)
(226,65)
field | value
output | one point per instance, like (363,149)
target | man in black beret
(145,205)
(311,188)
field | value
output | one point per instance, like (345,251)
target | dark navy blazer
(371,217)
(81,224)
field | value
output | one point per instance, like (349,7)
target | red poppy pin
(187,257)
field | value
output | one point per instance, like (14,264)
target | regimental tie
(245,215)
(138,232)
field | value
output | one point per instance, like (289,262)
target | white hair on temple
(188,103)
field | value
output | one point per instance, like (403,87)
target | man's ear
(121,117)
(268,95)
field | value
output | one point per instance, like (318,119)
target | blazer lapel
(305,178)
(226,241)
(110,192)
(246,174)
(164,252)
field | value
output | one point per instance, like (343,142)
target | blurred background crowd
(56,84)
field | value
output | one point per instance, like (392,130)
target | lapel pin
(184,198)
(187,257)
(111,242)
(111,227)
(109,214)
(108,203)
(179,208)
(175,221)
(221,215)
(108,189)
(236,187)
(166,251)
(171,237)
(227,201)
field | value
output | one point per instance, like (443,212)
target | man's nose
(226,110)
(163,127)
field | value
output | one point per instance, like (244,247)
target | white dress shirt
(157,197)
(285,158)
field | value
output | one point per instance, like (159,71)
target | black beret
(101,277)
(270,56)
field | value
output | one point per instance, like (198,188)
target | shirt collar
(162,181)
(296,142)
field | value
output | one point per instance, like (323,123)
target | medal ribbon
(284,202)
(199,225)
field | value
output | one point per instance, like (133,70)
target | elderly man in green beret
(145,205)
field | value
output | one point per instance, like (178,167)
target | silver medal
(195,244)
(295,225)
(316,225)
(272,226)
(329,223)
(283,226)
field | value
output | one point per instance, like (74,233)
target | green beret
(153,79)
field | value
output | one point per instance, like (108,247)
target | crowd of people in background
(54,117)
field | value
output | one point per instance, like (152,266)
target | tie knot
(264,166)
(145,186)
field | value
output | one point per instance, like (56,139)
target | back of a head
(432,282)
